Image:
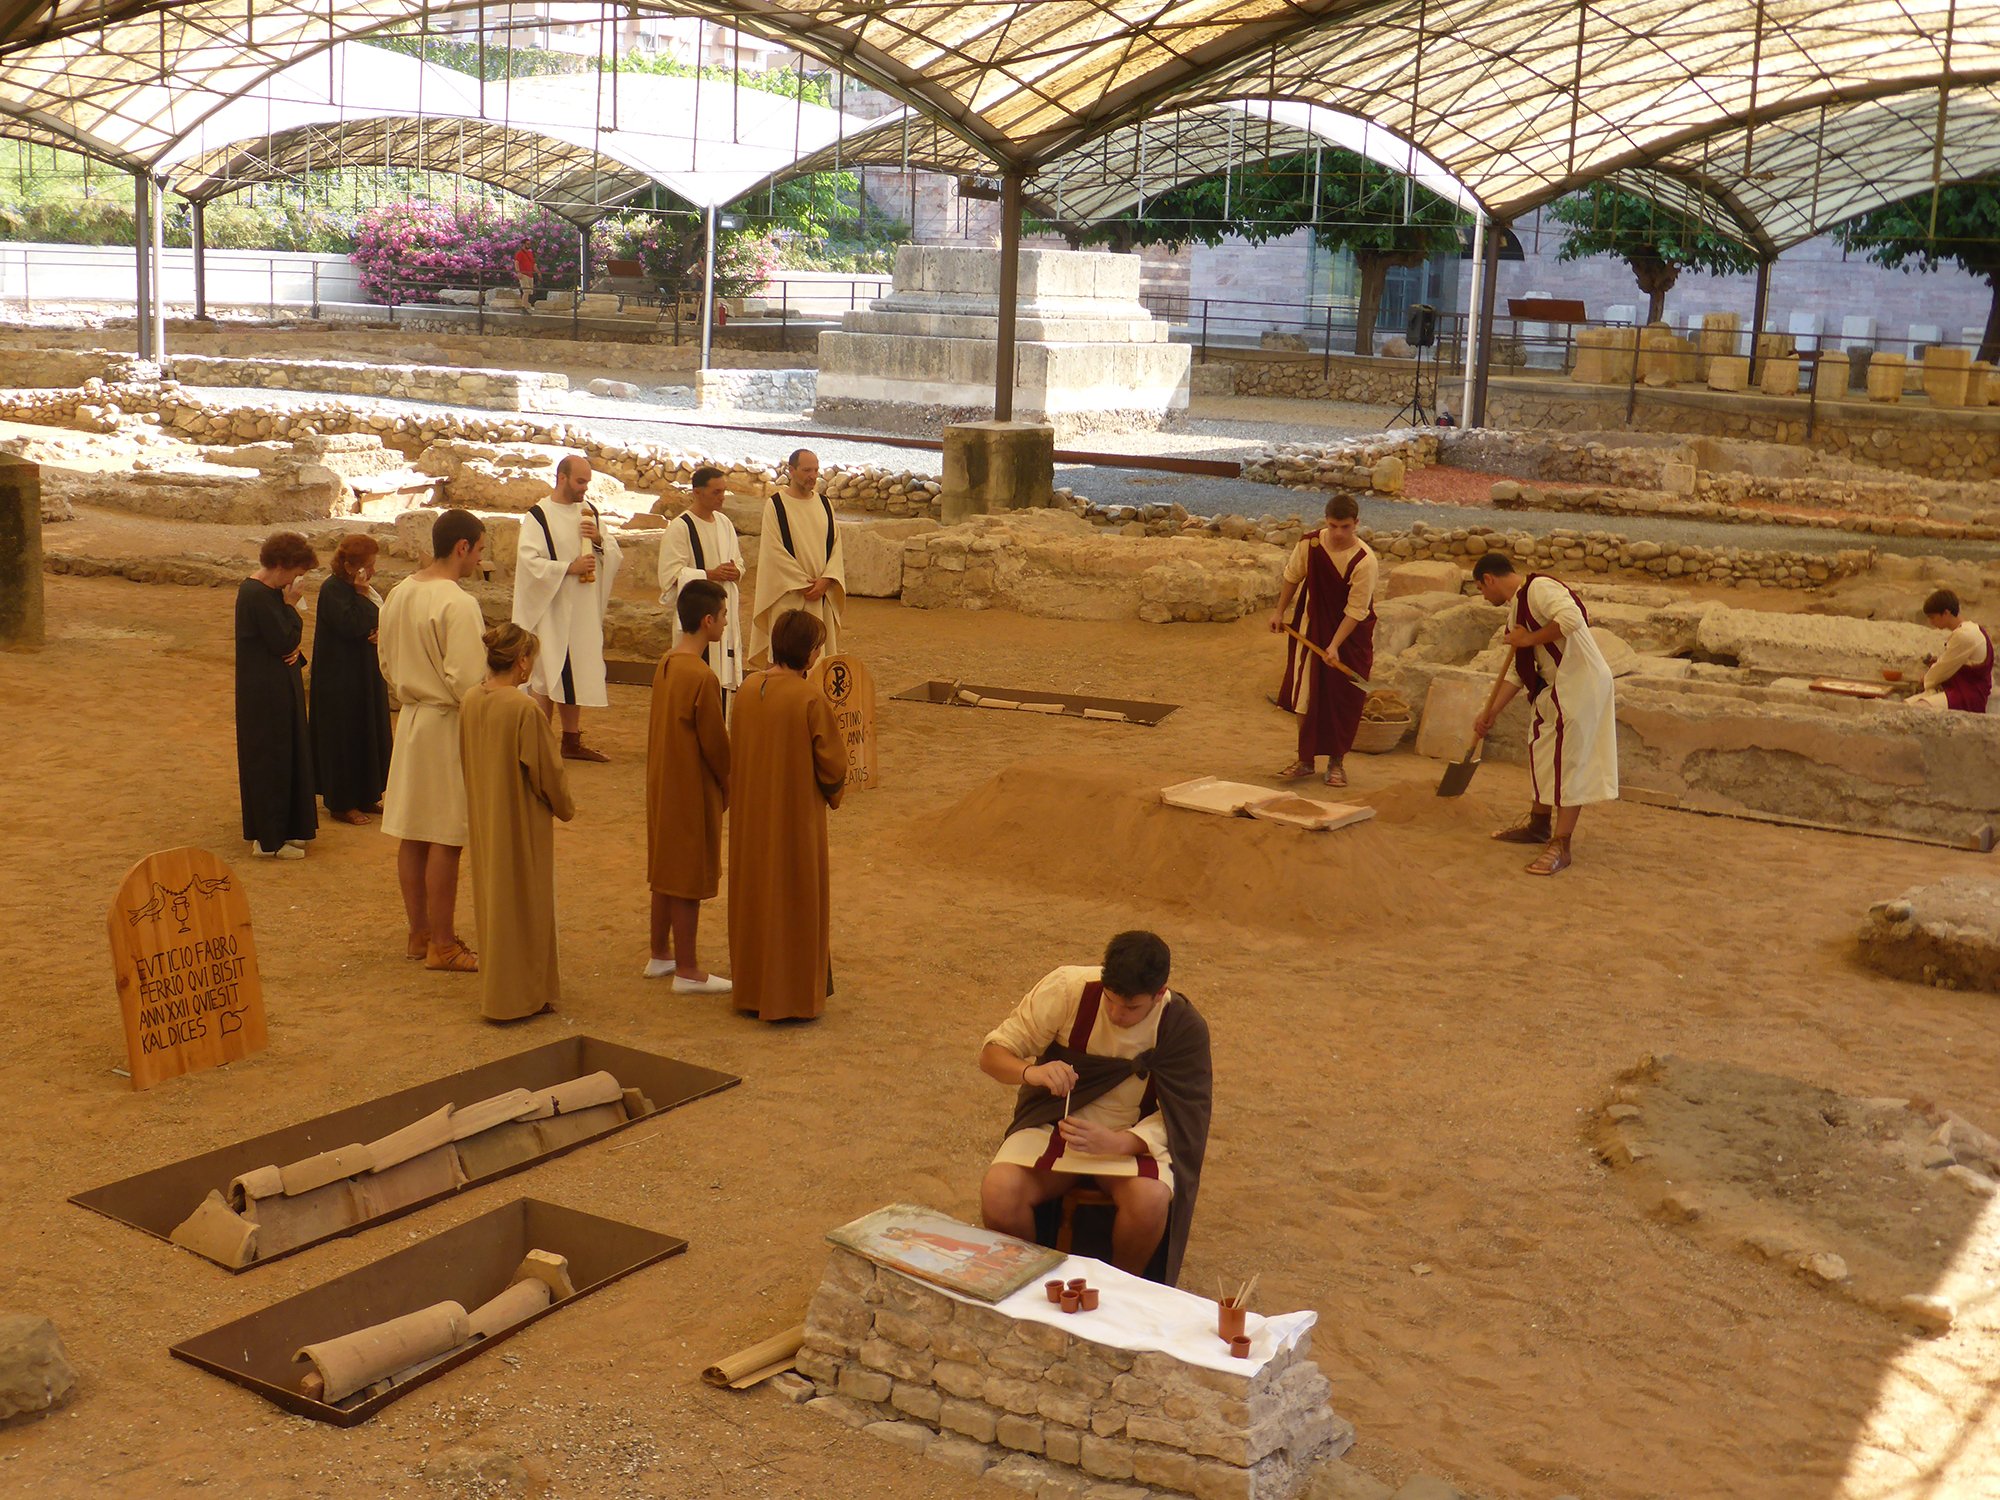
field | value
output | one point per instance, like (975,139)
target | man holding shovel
(1330,639)
(1573,744)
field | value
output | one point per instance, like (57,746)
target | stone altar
(1088,357)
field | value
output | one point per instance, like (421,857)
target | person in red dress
(1329,598)
(524,271)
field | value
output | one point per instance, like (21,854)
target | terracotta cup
(1240,1346)
(1071,1301)
(1890,674)
(1054,1289)
(1090,1299)
(1229,1321)
(1078,1284)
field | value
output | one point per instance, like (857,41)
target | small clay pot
(1229,1321)
(1078,1284)
(1054,1289)
(1090,1299)
(1890,674)
(1071,1301)
(1240,1346)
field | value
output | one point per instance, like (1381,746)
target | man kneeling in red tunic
(1332,576)
(1114,1085)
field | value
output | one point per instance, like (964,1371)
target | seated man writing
(1115,1086)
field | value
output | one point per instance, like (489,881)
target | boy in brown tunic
(687,789)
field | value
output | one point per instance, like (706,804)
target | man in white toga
(701,542)
(564,567)
(800,561)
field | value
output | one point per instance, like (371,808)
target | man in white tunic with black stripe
(801,563)
(701,542)
(1573,741)
(564,566)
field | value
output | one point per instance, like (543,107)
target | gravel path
(1204,436)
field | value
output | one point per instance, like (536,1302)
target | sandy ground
(1412,1039)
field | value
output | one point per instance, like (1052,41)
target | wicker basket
(1378,736)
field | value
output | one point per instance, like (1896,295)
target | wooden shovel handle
(1326,656)
(1499,680)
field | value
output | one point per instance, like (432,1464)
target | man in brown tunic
(789,768)
(687,788)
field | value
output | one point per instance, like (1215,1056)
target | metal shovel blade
(1458,775)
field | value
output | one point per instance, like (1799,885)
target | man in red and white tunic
(1331,573)
(1962,676)
(1573,743)
(1114,1082)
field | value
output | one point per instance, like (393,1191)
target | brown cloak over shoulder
(1180,1086)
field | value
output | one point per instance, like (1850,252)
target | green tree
(1360,206)
(1655,242)
(1965,232)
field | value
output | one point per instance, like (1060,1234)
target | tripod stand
(1414,410)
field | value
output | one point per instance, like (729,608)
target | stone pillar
(20,554)
(992,466)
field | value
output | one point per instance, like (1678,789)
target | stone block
(961,1453)
(1425,577)
(1062,1444)
(1335,1480)
(35,1372)
(1946,934)
(1885,377)
(840,1313)
(1010,1394)
(1107,1458)
(1219,1481)
(957,1379)
(858,1384)
(1831,374)
(898,1328)
(996,466)
(22,624)
(1453,702)
(974,1419)
(904,1364)
(1019,1359)
(874,553)
(1024,1472)
(1947,375)
(1166,1467)
(1144,1427)
(1456,635)
(1019,1432)
(919,1401)
(911,1436)
(1069,1407)
(1728,372)
(1779,375)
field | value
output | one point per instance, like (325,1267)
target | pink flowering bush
(409,251)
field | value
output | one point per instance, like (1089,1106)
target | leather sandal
(1552,860)
(1336,775)
(573,748)
(457,959)
(1298,770)
(1530,830)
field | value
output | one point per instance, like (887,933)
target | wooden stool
(1083,1195)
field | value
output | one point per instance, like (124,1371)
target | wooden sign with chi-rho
(186,965)
(849,689)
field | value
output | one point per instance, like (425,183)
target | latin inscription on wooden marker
(187,966)
(849,687)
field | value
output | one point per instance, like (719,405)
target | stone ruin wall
(1058,1415)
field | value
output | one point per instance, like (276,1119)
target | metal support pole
(583,260)
(198,241)
(156,213)
(1478,290)
(1010,296)
(142,254)
(1760,305)
(707,285)
(1489,278)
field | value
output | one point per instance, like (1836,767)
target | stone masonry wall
(1345,377)
(1052,1412)
(756,390)
(506,390)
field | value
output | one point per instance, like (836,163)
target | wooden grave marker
(849,687)
(186,963)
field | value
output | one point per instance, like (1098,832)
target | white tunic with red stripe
(1573,744)
(1066,1005)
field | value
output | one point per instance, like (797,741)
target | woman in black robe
(274,766)
(350,702)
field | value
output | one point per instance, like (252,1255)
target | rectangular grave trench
(468,1265)
(1069,705)
(158,1200)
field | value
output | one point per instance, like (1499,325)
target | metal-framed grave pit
(161,1200)
(468,1264)
(955,694)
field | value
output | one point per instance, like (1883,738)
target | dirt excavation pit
(1888,1201)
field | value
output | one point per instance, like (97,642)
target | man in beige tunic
(429,638)
(800,560)
(1114,1081)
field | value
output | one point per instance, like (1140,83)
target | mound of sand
(1890,1201)
(1075,827)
